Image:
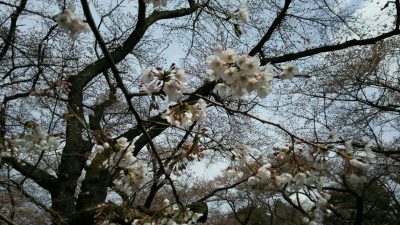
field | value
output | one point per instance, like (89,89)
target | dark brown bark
(359,210)
(74,154)
(12,30)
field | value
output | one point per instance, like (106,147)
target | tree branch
(13,27)
(271,30)
(41,177)
(329,48)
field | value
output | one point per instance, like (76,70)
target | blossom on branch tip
(357,164)
(251,65)
(355,179)
(71,23)
(300,179)
(284,178)
(305,220)
(253,180)
(131,170)
(288,71)
(147,76)
(184,114)
(199,110)
(239,75)
(187,118)
(348,146)
(243,13)
(222,89)
(99,148)
(321,202)
(263,91)
(231,173)
(171,81)
(122,142)
(228,55)
(32,139)
(313,222)
(173,90)
(180,76)
(370,156)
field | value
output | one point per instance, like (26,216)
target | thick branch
(329,48)
(129,44)
(41,177)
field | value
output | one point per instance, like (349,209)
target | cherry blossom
(288,71)
(284,178)
(184,114)
(357,164)
(132,171)
(239,75)
(70,23)
(243,13)
(171,81)
(30,141)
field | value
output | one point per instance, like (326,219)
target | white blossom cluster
(172,82)
(239,75)
(243,13)
(358,160)
(131,170)
(70,23)
(264,175)
(32,140)
(359,166)
(307,221)
(357,163)
(184,114)
(157,3)
(173,215)
(238,161)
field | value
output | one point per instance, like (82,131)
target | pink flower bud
(99,148)
(106,145)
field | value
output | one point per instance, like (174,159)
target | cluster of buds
(192,151)
(69,22)
(171,81)
(184,114)
(239,75)
(187,153)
